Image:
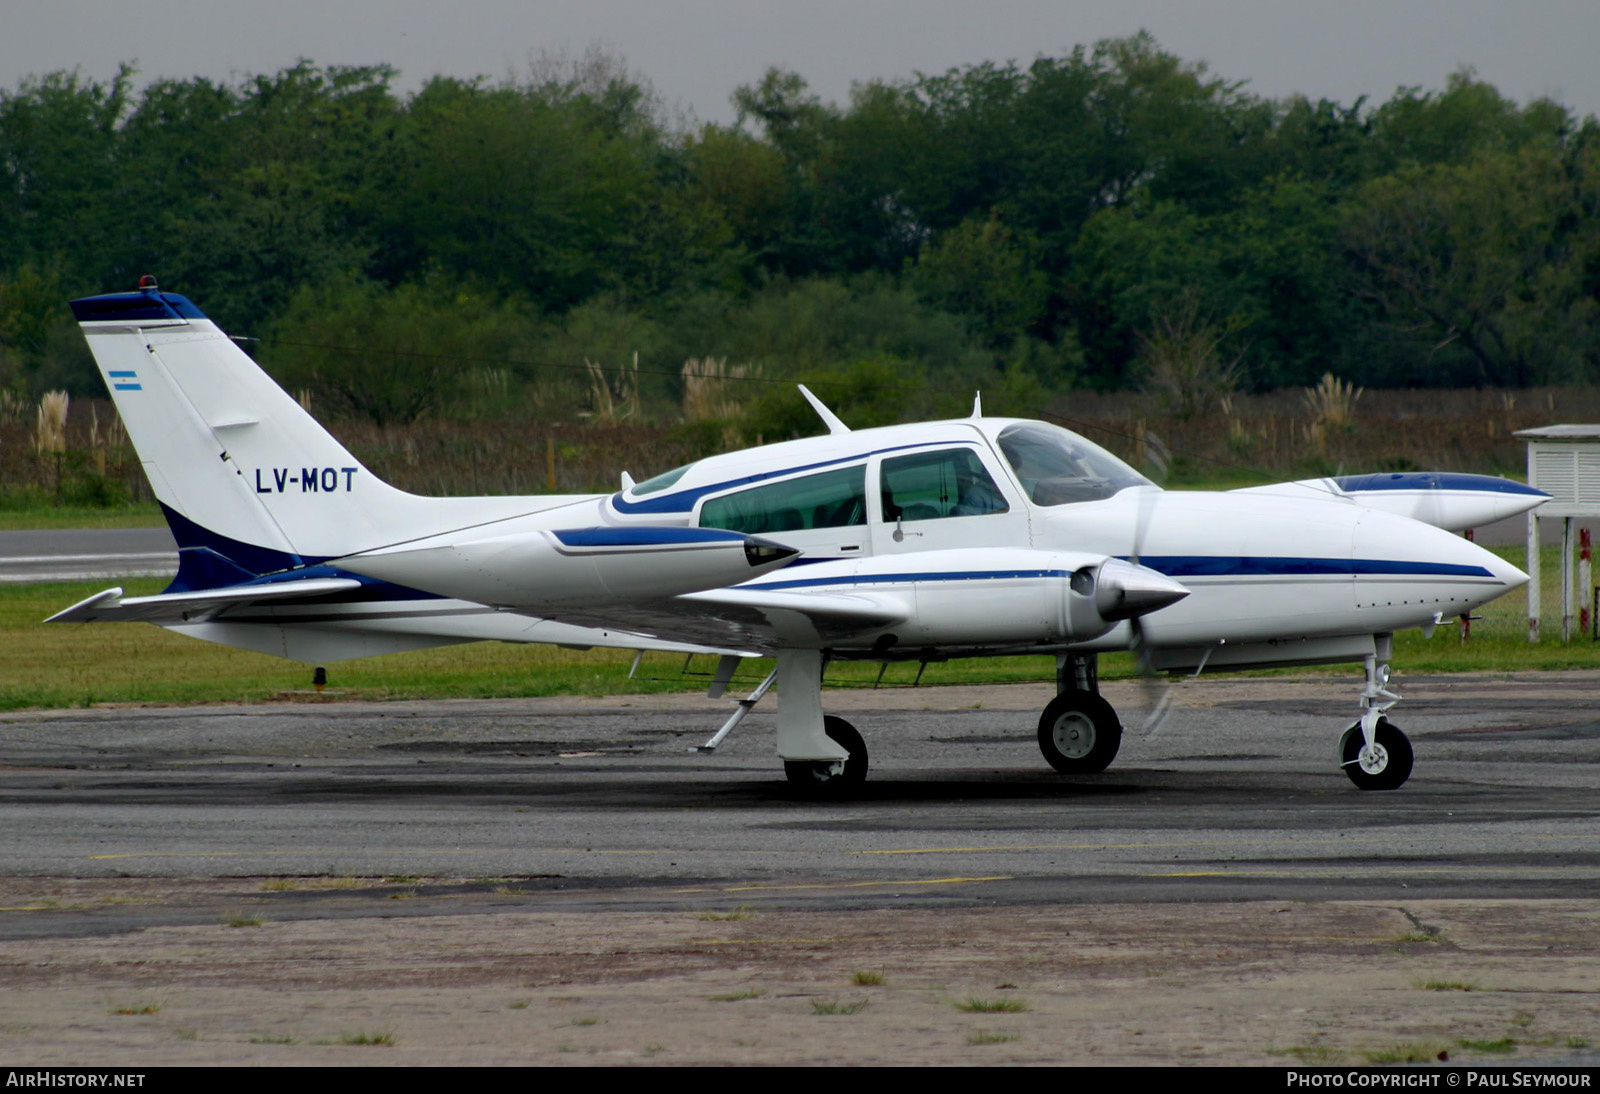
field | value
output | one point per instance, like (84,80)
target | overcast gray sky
(696,52)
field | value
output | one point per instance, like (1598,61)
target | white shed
(1564,462)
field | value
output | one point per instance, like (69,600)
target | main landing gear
(822,755)
(1079,732)
(820,775)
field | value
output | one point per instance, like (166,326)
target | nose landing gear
(1373,753)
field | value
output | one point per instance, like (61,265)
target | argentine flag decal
(125,380)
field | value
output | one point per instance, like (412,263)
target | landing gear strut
(821,755)
(1374,754)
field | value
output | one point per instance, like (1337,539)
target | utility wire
(1060,419)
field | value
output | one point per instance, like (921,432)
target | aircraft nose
(1125,590)
(1513,577)
(1428,545)
(1404,562)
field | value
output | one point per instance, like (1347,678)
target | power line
(1059,419)
(518,363)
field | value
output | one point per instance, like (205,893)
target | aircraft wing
(111,607)
(952,598)
(754,619)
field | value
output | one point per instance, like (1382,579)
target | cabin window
(833,499)
(1057,467)
(930,485)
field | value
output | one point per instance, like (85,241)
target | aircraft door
(945,498)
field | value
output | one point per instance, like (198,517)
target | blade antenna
(829,418)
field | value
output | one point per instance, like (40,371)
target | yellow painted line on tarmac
(846,884)
(1330,841)
(1016,847)
(197,854)
(392,850)
(1392,871)
(1163,845)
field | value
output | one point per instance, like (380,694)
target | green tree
(392,356)
(1485,259)
(58,166)
(984,271)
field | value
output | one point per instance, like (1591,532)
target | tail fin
(250,483)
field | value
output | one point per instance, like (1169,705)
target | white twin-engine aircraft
(978,537)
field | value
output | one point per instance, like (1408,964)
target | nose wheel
(1385,764)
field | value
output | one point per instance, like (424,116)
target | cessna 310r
(974,537)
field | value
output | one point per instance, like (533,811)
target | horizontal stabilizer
(110,607)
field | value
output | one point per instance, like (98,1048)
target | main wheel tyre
(1385,765)
(1079,733)
(818,775)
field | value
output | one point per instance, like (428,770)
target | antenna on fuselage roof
(829,418)
(977,404)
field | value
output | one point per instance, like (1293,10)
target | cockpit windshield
(1057,467)
(660,482)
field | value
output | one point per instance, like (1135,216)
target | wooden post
(1585,584)
(1566,579)
(1533,577)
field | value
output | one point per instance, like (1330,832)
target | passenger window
(833,499)
(931,485)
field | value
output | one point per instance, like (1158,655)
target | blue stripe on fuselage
(1288,566)
(1176,566)
(899,579)
(644,537)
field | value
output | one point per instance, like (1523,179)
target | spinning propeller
(1158,695)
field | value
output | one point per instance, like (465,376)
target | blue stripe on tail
(207,560)
(129,307)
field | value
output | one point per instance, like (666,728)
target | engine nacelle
(1005,597)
